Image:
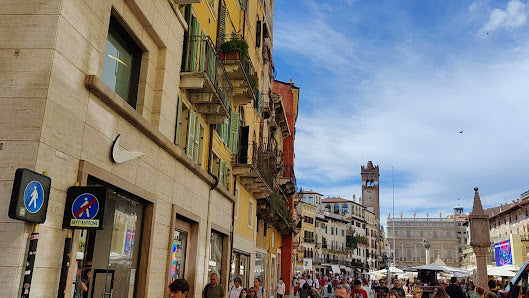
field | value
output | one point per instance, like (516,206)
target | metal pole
(393,180)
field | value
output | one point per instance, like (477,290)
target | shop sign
(85,206)
(30,196)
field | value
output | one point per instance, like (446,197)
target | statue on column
(426,244)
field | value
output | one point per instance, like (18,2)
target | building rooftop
(309,192)
(336,200)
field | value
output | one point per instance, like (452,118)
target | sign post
(29,203)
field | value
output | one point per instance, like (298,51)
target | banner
(307,264)
(502,252)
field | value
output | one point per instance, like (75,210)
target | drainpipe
(208,222)
(232,228)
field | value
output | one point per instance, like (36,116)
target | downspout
(208,222)
(232,229)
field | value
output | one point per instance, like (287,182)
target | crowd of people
(307,286)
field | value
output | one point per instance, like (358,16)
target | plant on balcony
(235,46)
(254,81)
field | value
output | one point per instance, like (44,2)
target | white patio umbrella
(499,271)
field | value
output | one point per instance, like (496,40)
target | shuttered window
(221,32)
(203,41)
(234,132)
(178,121)
(258,28)
(194,140)
(223,173)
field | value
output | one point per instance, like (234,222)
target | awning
(347,269)
(335,269)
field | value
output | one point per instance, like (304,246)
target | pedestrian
(491,294)
(235,290)
(179,288)
(295,285)
(347,286)
(454,290)
(383,290)
(480,292)
(251,292)
(492,286)
(357,291)
(340,291)
(244,293)
(259,290)
(280,288)
(366,288)
(440,292)
(317,284)
(304,292)
(213,289)
(417,293)
(398,288)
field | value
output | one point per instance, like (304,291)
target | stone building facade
(447,236)
(80,74)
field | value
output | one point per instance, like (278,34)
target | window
(408,254)
(408,234)
(435,234)
(195,136)
(178,254)
(260,267)
(258,28)
(345,208)
(215,254)
(121,67)
(336,208)
(250,214)
(223,173)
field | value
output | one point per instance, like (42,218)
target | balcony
(280,115)
(203,74)
(308,240)
(243,77)
(258,173)
(274,210)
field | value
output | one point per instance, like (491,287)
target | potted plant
(235,49)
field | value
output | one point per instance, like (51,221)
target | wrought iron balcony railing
(200,56)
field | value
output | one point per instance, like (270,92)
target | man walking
(213,289)
(454,290)
(280,288)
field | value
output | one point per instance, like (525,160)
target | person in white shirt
(368,289)
(302,281)
(317,284)
(235,290)
(280,288)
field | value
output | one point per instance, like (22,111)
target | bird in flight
(461,131)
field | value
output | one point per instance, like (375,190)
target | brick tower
(370,191)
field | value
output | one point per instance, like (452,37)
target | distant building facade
(447,236)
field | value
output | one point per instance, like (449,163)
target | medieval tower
(370,190)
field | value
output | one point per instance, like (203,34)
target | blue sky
(394,82)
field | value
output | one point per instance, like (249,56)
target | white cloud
(513,16)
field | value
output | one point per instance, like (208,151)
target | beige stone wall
(49,121)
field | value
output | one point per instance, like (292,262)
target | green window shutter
(187,38)
(222,24)
(223,173)
(226,131)
(234,131)
(203,41)
(196,148)
(178,121)
(191,133)
(258,34)
(195,29)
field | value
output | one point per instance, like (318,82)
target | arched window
(336,208)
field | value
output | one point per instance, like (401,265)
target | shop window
(121,67)
(240,267)
(260,267)
(178,254)
(215,255)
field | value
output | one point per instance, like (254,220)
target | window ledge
(118,104)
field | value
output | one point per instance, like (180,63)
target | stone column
(479,239)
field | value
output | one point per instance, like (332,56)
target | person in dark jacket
(454,290)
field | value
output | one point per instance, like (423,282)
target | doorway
(107,260)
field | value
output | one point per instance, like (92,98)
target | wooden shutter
(196,147)
(221,30)
(258,34)
(223,173)
(234,131)
(191,133)
(178,121)
(187,38)
(195,31)
(203,41)
(257,103)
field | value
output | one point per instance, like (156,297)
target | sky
(396,82)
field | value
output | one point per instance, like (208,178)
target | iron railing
(247,65)
(200,55)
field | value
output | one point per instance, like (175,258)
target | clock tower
(370,190)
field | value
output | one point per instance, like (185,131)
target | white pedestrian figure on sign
(34,196)
(86,210)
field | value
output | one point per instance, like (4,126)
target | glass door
(107,259)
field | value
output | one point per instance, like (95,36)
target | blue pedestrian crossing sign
(30,196)
(34,197)
(84,207)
